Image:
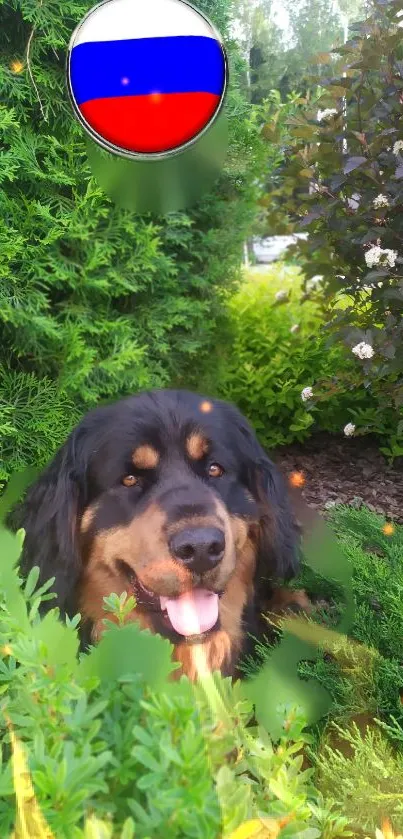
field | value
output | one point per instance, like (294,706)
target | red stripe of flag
(150,124)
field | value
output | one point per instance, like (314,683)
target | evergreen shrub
(95,301)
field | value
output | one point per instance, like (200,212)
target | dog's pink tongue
(192,613)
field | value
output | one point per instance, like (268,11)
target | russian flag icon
(146,77)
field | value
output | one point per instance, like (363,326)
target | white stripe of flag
(119,20)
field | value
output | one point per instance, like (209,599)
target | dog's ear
(278,553)
(49,515)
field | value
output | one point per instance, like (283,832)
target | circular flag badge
(146,78)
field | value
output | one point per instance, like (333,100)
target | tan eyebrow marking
(197,446)
(145,457)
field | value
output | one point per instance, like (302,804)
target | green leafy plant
(112,745)
(115,748)
(275,350)
(276,131)
(120,606)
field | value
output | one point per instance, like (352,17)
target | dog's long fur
(88,527)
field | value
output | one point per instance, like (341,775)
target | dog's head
(166,495)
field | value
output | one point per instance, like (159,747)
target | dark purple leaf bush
(342,183)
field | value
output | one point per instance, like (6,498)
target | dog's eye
(130,481)
(215,470)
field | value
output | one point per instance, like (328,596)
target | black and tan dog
(168,496)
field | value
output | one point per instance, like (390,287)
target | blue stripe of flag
(179,64)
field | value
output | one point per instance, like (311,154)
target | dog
(167,496)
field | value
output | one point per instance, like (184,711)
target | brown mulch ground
(345,471)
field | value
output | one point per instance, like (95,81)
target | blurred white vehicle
(273,248)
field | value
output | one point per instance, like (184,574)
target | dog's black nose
(199,548)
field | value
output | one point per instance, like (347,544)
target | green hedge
(96,302)
(273,349)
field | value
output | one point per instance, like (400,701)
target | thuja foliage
(355,762)
(95,301)
(343,182)
(107,736)
(373,677)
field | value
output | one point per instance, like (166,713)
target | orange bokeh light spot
(388,529)
(16,66)
(205,407)
(297,479)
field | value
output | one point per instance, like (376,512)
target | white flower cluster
(363,350)
(398,147)
(380,256)
(306,394)
(327,114)
(381,201)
